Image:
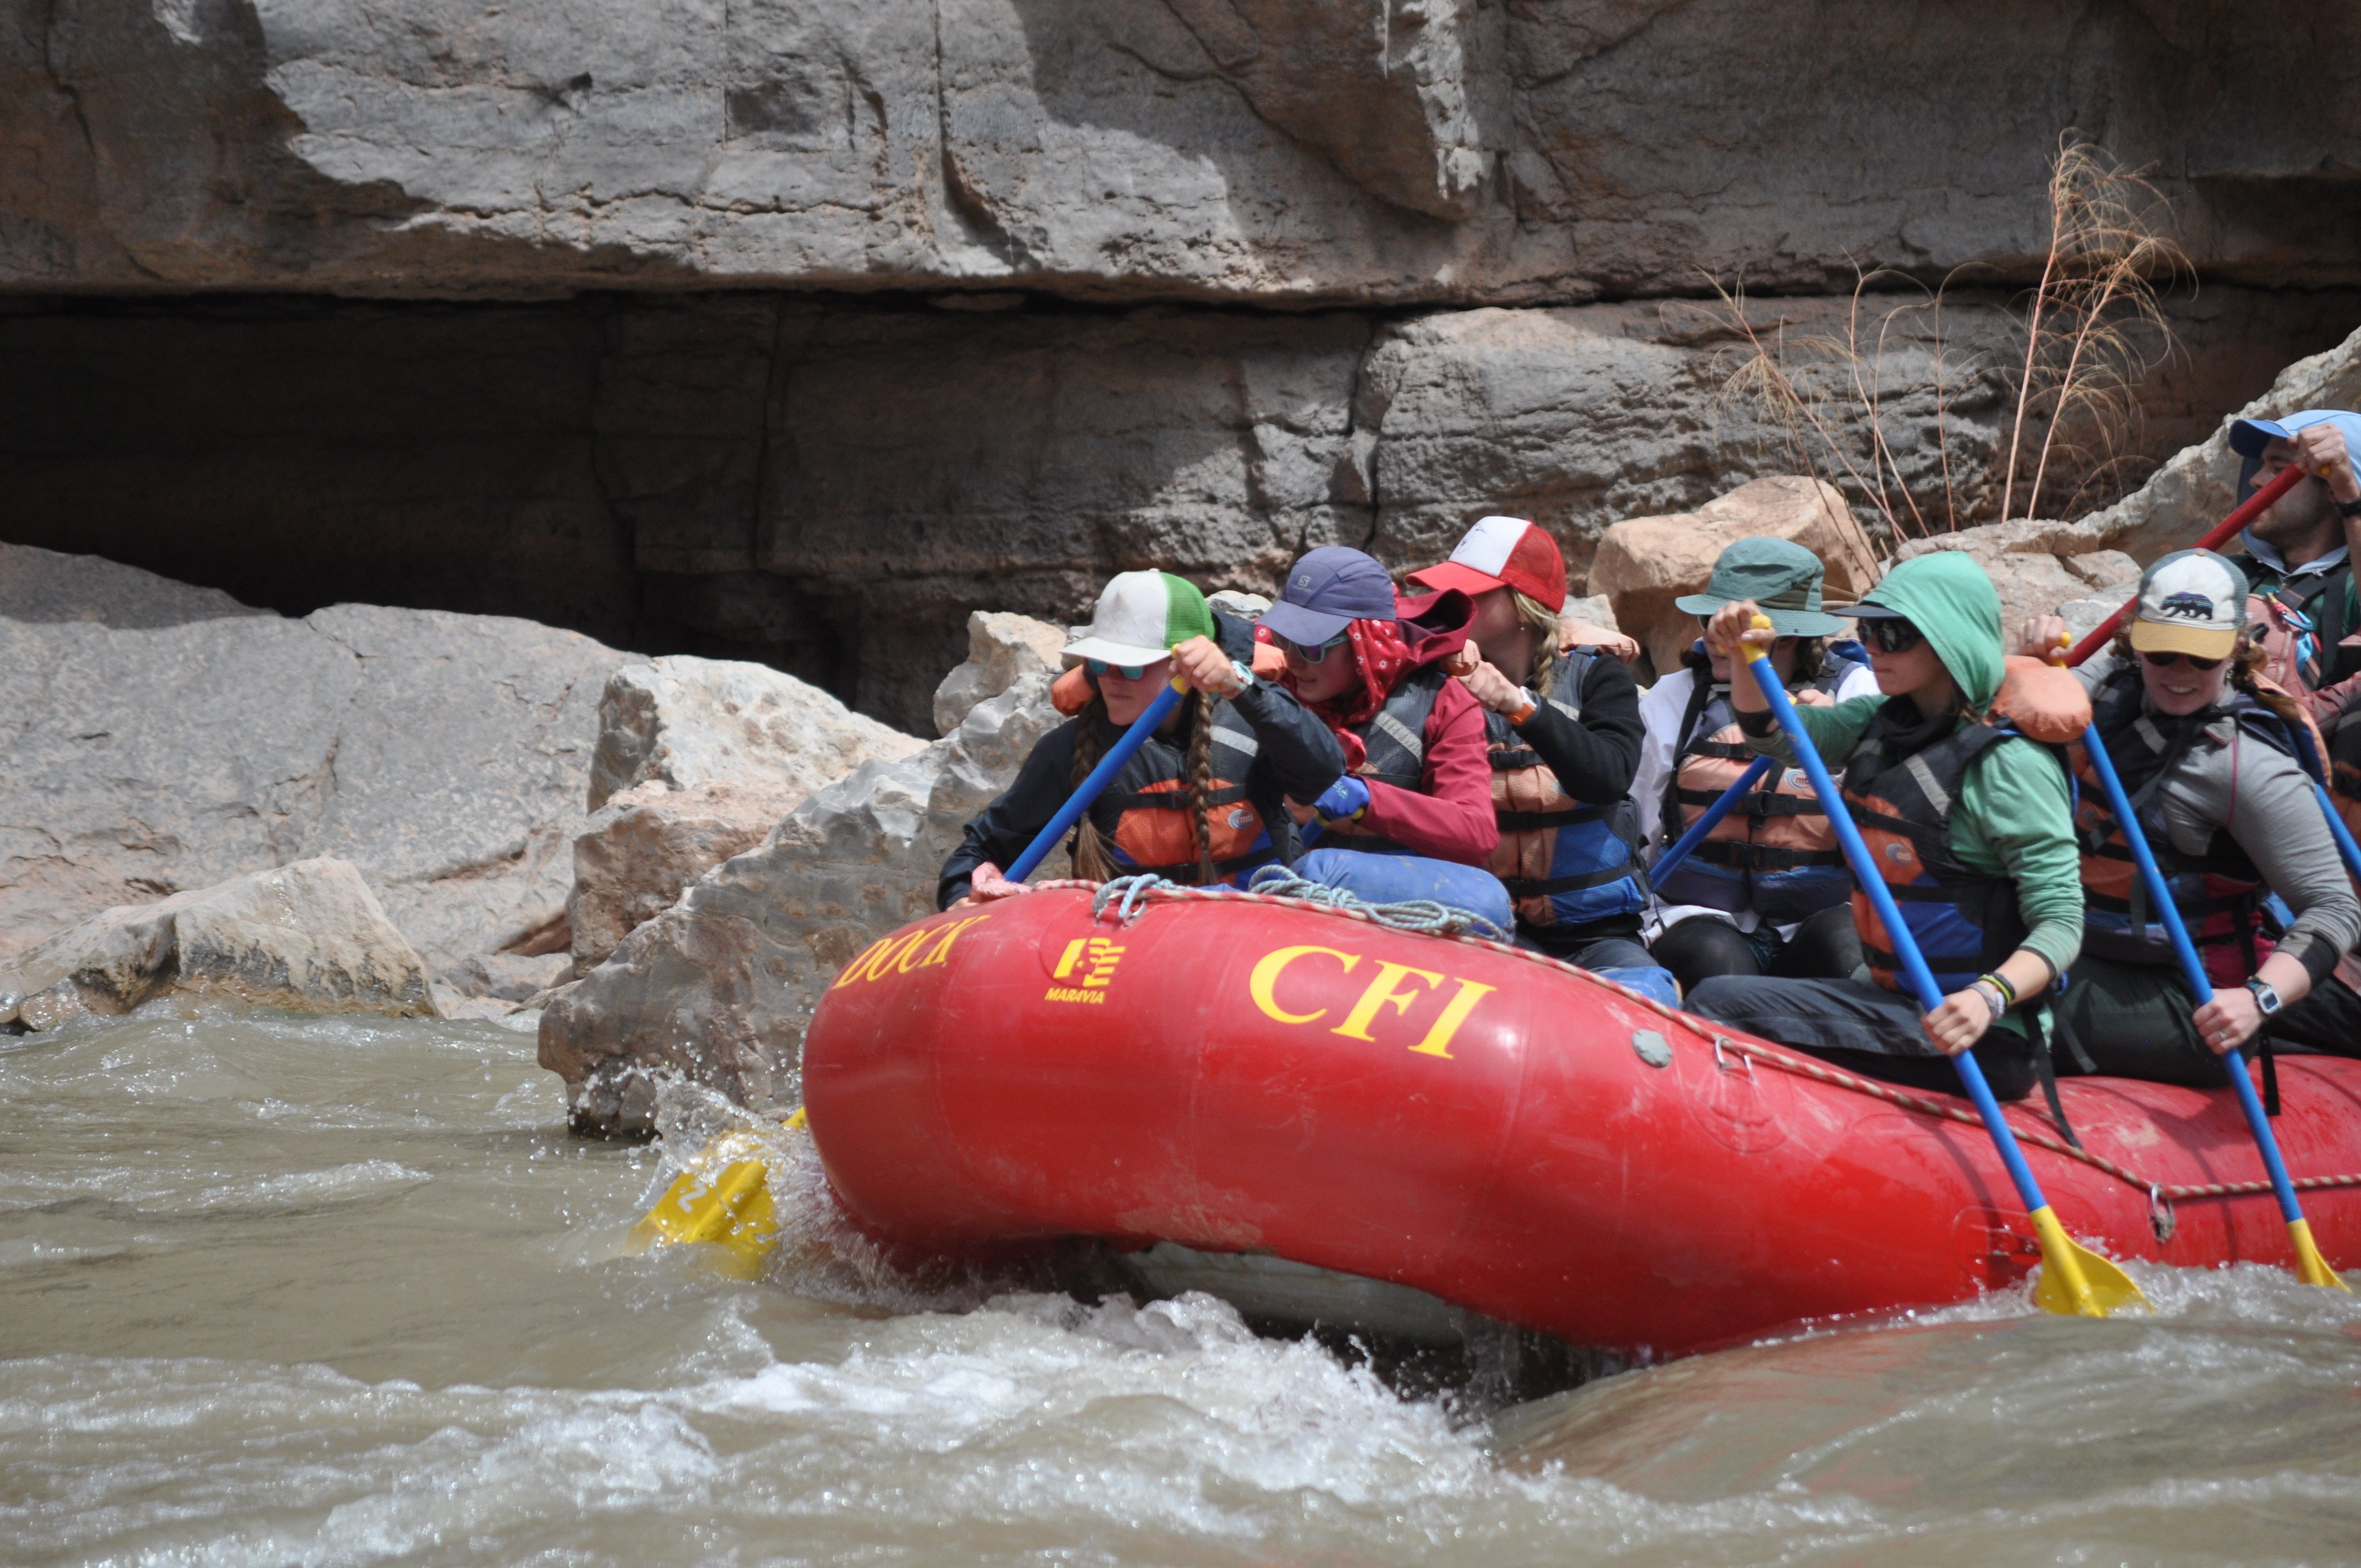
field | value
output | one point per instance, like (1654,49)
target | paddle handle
(2192,969)
(1091,787)
(2229,528)
(1905,945)
(1712,818)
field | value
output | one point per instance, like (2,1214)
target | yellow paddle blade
(723,1198)
(2076,1281)
(2309,1263)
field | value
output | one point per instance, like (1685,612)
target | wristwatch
(2267,996)
(2349,509)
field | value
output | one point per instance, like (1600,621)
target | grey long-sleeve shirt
(2264,798)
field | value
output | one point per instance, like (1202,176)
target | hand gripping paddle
(2074,1280)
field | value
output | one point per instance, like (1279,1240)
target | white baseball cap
(1141,617)
(2192,601)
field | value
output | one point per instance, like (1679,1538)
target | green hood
(1947,595)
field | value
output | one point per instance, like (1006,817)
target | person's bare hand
(1960,1022)
(1200,661)
(1732,627)
(985,883)
(1462,661)
(1493,689)
(1813,697)
(2229,1020)
(1583,634)
(2320,449)
(2041,636)
(1305,815)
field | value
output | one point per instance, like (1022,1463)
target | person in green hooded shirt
(1971,824)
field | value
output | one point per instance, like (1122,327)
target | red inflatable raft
(1250,1075)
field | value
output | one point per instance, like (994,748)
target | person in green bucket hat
(1970,822)
(1767,893)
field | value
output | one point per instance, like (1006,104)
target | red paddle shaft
(2231,526)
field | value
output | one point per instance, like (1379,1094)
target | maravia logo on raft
(1094,958)
(926,947)
(1394,985)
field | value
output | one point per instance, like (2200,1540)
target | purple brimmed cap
(1328,588)
(2249,436)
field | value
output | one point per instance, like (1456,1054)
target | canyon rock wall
(1400,151)
(831,486)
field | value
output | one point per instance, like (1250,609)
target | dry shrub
(2050,416)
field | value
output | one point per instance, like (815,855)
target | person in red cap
(1562,734)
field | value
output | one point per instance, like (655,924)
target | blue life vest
(1564,863)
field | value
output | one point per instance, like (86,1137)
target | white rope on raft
(1131,895)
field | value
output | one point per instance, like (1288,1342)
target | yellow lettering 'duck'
(926,947)
(1386,989)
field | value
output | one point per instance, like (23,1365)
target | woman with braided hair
(2208,759)
(1204,800)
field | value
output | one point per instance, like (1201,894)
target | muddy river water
(288,1291)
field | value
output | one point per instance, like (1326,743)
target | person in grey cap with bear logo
(2207,757)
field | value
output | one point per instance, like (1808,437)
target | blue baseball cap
(2249,436)
(1327,590)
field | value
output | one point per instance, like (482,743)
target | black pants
(1824,947)
(2327,1022)
(1862,1028)
(2135,1021)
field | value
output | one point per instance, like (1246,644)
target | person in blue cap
(2298,556)
(1411,818)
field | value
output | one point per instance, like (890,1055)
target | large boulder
(1645,563)
(686,722)
(161,739)
(1002,649)
(644,848)
(309,936)
(719,986)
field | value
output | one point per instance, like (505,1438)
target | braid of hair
(1092,861)
(1543,622)
(1200,786)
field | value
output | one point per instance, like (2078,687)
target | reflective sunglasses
(1890,636)
(1128,672)
(1318,655)
(2166,662)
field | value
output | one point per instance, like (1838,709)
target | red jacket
(1450,815)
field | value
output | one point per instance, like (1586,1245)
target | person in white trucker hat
(1204,800)
(2207,758)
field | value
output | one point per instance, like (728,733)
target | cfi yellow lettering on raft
(1381,993)
(1262,984)
(1455,1013)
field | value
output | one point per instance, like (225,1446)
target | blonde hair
(1542,620)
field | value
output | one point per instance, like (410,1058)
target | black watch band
(2349,509)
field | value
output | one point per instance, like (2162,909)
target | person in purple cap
(1412,816)
(2298,556)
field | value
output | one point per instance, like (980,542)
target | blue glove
(1343,798)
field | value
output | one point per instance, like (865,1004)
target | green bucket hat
(1778,575)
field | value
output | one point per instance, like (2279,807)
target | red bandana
(1381,657)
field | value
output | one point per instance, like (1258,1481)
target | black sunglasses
(1891,636)
(2166,662)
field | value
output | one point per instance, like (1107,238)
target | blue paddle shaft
(1905,945)
(1090,788)
(1706,824)
(2345,848)
(2192,969)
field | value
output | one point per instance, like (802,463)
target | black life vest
(1966,922)
(2220,893)
(1775,852)
(1394,739)
(1564,862)
(1149,823)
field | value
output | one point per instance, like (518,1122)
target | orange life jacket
(1148,821)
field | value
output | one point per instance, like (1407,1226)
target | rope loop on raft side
(1420,917)
(1136,891)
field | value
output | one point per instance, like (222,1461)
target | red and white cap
(1502,552)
